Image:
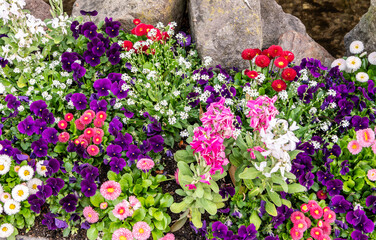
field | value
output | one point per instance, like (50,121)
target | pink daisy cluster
(92,136)
(302,223)
(208,140)
(90,215)
(364,138)
(141,231)
(126,208)
(261,112)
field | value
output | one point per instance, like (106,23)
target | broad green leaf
(196,218)
(270,208)
(97,199)
(199,190)
(255,219)
(286,202)
(184,155)
(139,214)
(209,206)
(296,187)
(179,207)
(166,201)
(276,199)
(250,173)
(92,233)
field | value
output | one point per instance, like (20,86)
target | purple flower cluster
(221,231)
(360,222)
(12,102)
(283,214)
(89,174)
(102,86)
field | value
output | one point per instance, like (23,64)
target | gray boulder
(149,11)
(276,22)
(222,29)
(303,46)
(364,31)
(38,8)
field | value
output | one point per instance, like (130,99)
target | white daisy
(341,63)
(353,63)
(1,209)
(5,197)
(1,189)
(26,173)
(33,185)
(5,162)
(11,207)
(362,77)
(41,170)
(372,58)
(6,230)
(20,193)
(356,47)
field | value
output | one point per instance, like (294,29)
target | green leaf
(199,190)
(149,201)
(22,82)
(286,202)
(255,219)
(359,184)
(250,173)
(179,207)
(275,198)
(209,206)
(97,199)
(112,176)
(139,214)
(92,233)
(296,187)
(359,173)
(166,201)
(185,156)
(270,208)
(196,218)
(178,224)
(278,180)
(214,186)
(294,153)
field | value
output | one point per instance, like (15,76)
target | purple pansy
(79,101)
(69,203)
(56,185)
(88,187)
(102,86)
(117,164)
(156,143)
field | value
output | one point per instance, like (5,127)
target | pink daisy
(311,204)
(316,232)
(93,150)
(297,216)
(68,117)
(62,124)
(326,228)
(304,208)
(141,231)
(5,197)
(308,221)
(98,131)
(320,223)
(145,164)
(86,119)
(326,209)
(79,124)
(64,137)
(103,205)
(324,237)
(110,190)
(122,234)
(121,210)
(329,216)
(97,139)
(101,116)
(354,147)
(90,215)
(169,236)
(91,113)
(296,234)
(134,202)
(371,174)
(83,142)
(365,137)
(98,123)
(301,225)
(89,132)
(316,212)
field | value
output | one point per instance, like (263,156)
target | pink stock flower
(205,179)
(371,174)
(110,190)
(365,137)
(93,150)
(252,151)
(122,234)
(354,147)
(121,210)
(169,236)
(145,164)
(90,214)
(141,231)
(63,137)
(191,186)
(261,112)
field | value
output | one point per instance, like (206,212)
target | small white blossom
(170,112)
(172,120)
(130,102)
(164,103)
(183,115)
(283,95)
(176,93)
(184,133)
(313,110)
(334,138)
(345,123)
(187,108)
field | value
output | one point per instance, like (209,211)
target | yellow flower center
(2,167)
(353,62)
(280,63)
(6,196)
(4,229)
(35,186)
(110,190)
(121,211)
(365,136)
(20,193)
(354,146)
(12,206)
(300,225)
(298,218)
(26,173)
(43,168)
(89,215)
(317,211)
(141,230)
(122,238)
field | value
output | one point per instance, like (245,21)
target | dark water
(327,21)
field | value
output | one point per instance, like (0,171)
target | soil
(328,21)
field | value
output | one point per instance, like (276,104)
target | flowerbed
(280,150)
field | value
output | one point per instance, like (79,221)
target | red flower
(289,74)
(248,54)
(149,27)
(140,30)
(251,74)
(158,35)
(262,61)
(266,53)
(278,85)
(127,45)
(165,36)
(281,62)
(136,21)
(275,51)
(288,55)
(321,195)
(257,51)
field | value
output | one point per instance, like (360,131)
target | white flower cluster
(207,61)
(304,75)
(260,78)
(184,63)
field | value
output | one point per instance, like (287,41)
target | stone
(364,31)
(276,22)
(303,46)
(38,8)
(148,11)
(222,29)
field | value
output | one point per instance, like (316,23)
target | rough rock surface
(38,8)
(222,29)
(303,46)
(276,22)
(364,31)
(149,11)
